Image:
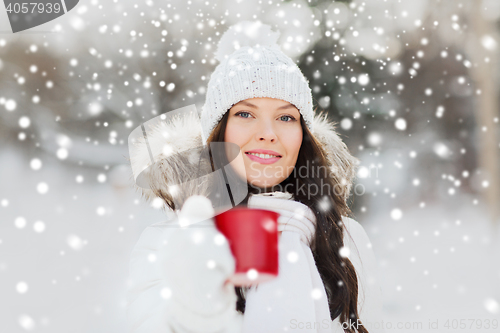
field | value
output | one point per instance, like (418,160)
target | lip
(263,160)
(263,151)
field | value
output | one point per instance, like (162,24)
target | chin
(264,183)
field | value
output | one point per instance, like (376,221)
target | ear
(340,160)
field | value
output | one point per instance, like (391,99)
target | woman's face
(265,126)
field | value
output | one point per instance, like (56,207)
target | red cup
(253,239)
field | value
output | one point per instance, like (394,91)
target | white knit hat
(253,65)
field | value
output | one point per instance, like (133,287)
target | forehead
(259,103)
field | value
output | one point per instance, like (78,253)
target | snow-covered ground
(64,255)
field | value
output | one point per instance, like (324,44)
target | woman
(293,163)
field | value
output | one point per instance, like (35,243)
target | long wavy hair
(337,272)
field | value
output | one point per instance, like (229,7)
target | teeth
(263,155)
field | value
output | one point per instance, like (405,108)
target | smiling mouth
(263,156)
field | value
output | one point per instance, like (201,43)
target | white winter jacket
(179,287)
(178,277)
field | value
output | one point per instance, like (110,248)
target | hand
(199,261)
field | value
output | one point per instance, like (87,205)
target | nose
(266,133)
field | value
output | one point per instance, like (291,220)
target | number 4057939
(471,323)
(33,7)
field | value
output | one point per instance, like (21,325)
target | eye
(242,112)
(291,118)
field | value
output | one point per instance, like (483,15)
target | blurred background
(412,85)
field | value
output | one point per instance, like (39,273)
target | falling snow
(403,87)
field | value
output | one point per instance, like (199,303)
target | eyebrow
(255,106)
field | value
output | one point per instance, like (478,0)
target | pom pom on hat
(245,33)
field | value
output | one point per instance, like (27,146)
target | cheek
(233,134)
(293,141)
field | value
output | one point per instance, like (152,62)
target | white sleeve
(364,261)
(177,280)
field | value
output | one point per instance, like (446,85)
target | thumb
(195,209)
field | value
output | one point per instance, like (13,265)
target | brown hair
(337,272)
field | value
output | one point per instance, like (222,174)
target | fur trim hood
(166,150)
